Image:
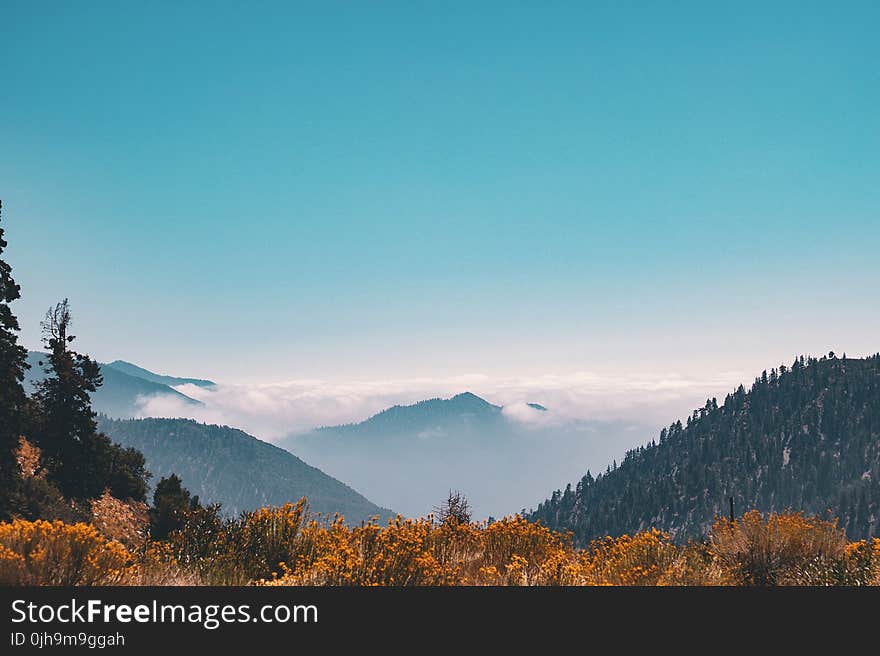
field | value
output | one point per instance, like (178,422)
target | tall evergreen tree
(12,397)
(172,504)
(78,458)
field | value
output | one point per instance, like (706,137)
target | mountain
(466,411)
(410,457)
(121,392)
(139,372)
(228,466)
(805,437)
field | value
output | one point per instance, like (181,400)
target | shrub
(516,551)
(55,553)
(695,566)
(401,554)
(641,559)
(781,549)
(127,522)
(287,546)
(256,545)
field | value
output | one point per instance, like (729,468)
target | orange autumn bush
(777,549)
(400,554)
(641,559)
(512,551)
(787,549)
(55,553)
(288,546)
(127,522)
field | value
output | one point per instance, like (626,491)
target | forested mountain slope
(228,466)
(805,437)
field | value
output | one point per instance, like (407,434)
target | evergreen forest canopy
(227,466)
(804,437)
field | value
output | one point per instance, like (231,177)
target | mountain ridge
(139,372)
(227,465)
(462,403)
(409,457)
(804,437)
(119,395)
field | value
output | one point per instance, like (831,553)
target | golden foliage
(127,522)
(287,546)
(784,549)
(28,457)
(642,559)
(55,553)
(512,551)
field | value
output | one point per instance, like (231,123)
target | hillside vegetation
(226,465)
(805,437)
(285,546)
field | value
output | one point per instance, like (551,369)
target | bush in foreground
(55,553)
(288,546)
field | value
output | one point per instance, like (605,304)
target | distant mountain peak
(537,406)
(470,398)
(463,406)
(145,374)
(122,391)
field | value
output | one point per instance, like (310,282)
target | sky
(353,193)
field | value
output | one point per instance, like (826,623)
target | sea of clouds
(272,411)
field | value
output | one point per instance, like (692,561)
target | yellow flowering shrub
(287,546)
(55,553)
(875,555)
(515,551)
(640,559)
(695,565)
(783,549)
(403,553)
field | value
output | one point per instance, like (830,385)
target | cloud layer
(272,411)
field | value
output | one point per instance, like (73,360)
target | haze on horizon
(514,196)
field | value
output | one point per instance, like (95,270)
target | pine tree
(172,504)
(454,510)
(80,460)
(12,397)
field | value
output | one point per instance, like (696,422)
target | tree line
(77,462)
(804,437)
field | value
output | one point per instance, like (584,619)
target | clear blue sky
(275,190)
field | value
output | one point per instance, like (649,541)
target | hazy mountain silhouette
(140,372)
(409,457)
(119,395)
